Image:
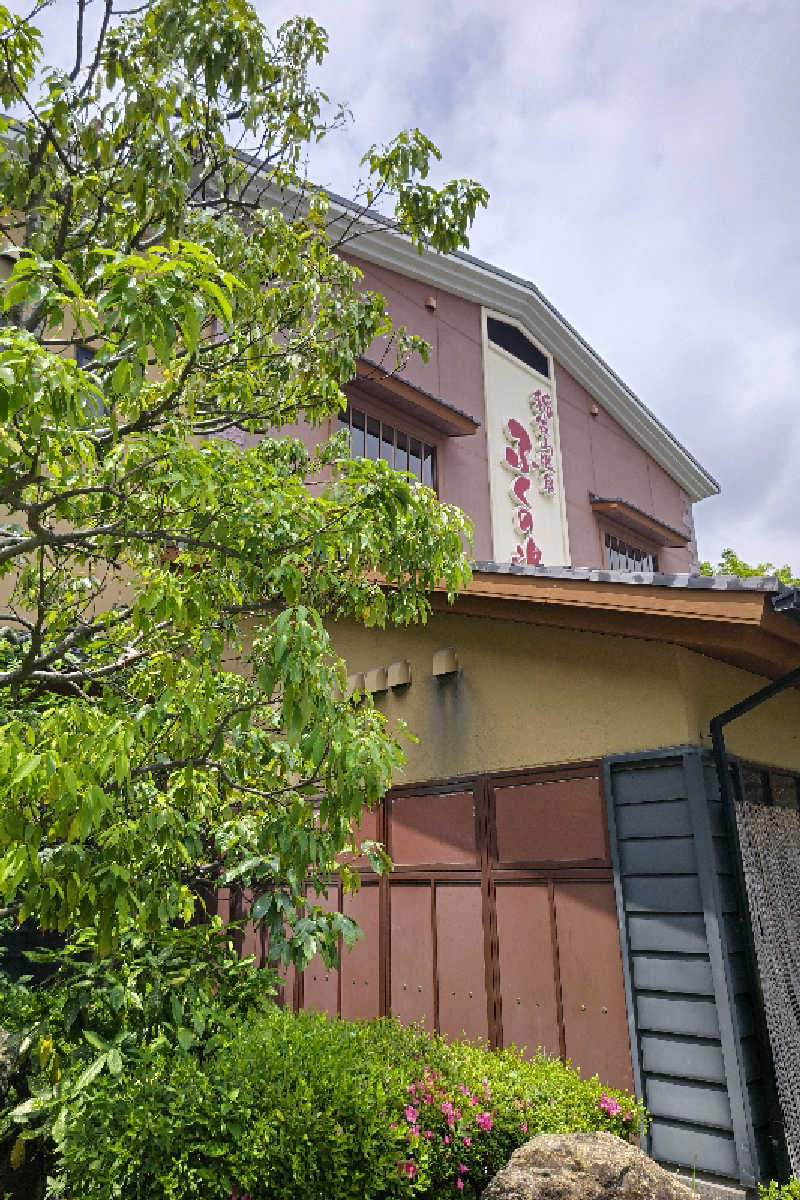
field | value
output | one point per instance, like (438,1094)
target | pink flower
(393,1124)
(628,1116)
(474,1101)
(462,1170)
(410,1113)
(484,1121)
(610,1105)
(427,1098)
(467,1141)
(408,1168)
(460,1184)
(428,1135)
(524,1126)
(446,1139)
(413,1131)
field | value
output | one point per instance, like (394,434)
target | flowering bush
(293,1106)
(466,1109)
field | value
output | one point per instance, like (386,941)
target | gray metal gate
(692,1020)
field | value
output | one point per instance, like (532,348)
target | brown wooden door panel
(251,937)
(360,966)
(593,996)
(460,960)
(285,995)
(411,954)
(321,983)
(527,971)
(537,927)
(433,829)
(367,830)
(551,822)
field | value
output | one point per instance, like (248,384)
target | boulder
(9,1053)
(583,1166)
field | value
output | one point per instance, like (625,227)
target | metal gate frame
(711,838)
(486,872)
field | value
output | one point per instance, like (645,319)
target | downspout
(738,710)
(787,601)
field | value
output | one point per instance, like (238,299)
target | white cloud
(642,169)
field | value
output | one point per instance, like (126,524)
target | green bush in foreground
(780,1191)
(299,1106)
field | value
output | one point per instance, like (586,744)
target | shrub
(779,1191)
(299,1106)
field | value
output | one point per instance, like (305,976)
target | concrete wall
(599,456)
(529,696)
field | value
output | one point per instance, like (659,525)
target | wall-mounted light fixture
(376,680)
(445,661)
(400,673)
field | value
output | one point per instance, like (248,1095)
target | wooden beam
(403,395)
(631,517)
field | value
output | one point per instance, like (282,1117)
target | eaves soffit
(733,620)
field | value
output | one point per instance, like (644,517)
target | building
(569,871)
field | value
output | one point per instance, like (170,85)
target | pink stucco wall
(599,456)
(453,373)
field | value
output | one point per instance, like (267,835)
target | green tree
(152,200)
(731,564)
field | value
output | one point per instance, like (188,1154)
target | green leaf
(186,1038)
(87,1076)
(25,768)
(260,906)
(95,1040)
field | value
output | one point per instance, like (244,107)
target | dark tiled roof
(720,583)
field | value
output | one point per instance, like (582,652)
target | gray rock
(9,1053)
(583,1166)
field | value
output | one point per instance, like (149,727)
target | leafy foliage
(172,712)
(91,1015)
(780,1191)
(731,564)
(296,1105)
(169,697)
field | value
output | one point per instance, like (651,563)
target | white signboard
(528,517)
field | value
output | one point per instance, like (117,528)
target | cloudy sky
(642,163)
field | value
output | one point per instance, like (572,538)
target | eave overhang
(731,620)
(407,398)
(623,513)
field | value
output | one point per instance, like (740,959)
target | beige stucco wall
(529,695)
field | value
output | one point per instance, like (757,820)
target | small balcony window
(514,342)
(622,556)
(373,438)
